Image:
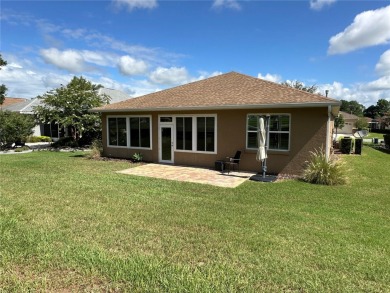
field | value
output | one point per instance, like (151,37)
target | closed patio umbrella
(261,136)
(261,155)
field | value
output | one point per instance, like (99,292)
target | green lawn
(374,135)
(70,224)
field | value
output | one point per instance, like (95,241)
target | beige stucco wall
(308,131)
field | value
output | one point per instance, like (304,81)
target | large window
(117,133)
(196,133)
(129,131)
(279,132)
(184,133)
(205,134)
(140,132)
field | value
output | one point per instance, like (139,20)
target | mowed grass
(70,224)
(374,135)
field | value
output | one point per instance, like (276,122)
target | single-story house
(11,101)
(349,123)
(201,122)
(53,129)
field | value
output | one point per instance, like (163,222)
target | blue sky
(141,46)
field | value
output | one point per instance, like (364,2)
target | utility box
(358,146)
(346,145)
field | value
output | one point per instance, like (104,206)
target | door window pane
(166,144)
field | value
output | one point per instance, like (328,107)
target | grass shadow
(79,156)
(379,148)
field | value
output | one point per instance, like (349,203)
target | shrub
(39,139)
(138,157)
(89,137)
(66,142)
(320,170)
(96,149)
(15,127)
(21,149)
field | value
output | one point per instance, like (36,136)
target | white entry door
(166,144)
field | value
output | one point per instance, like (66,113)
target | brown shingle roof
(11,101)
(230,90)
(348,116)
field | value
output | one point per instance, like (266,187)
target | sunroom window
(117,133)
(140,132)
(279,131)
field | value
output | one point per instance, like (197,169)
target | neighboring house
(53,129)
(208,120)
(11,101)
(373,124)
(349,123)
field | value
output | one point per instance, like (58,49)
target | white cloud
(366,93)
(74,33)
(381,84)
(169,76)
(369,28)
(270,77)
(204,75)
(133,4)
(70,60)
(383,65)
(25,82)
(75,60)
(231,4)
(112,84)
(319,4)
(130,66)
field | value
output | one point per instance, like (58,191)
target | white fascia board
(224,107)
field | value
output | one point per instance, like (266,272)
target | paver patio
(189,174)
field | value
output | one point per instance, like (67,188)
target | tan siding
(308,131)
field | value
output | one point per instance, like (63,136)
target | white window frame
(108,132)
(127,117)
(194,131)
(270,114)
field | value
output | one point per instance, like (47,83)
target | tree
(300,86)
(339,123)
(69,106)
(3,88)
(383,107)
(352,107)
(15,127)
(372,112)
(361,123)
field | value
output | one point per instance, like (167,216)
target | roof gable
(349,116)
(230,90)
(11,101)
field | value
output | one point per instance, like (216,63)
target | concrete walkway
(189,174)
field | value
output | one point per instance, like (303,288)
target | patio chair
(231,162)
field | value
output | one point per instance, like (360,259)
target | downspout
(328,139)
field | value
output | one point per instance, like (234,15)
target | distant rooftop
(25,106)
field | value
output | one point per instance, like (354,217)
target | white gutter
(222,107)
(328,135)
